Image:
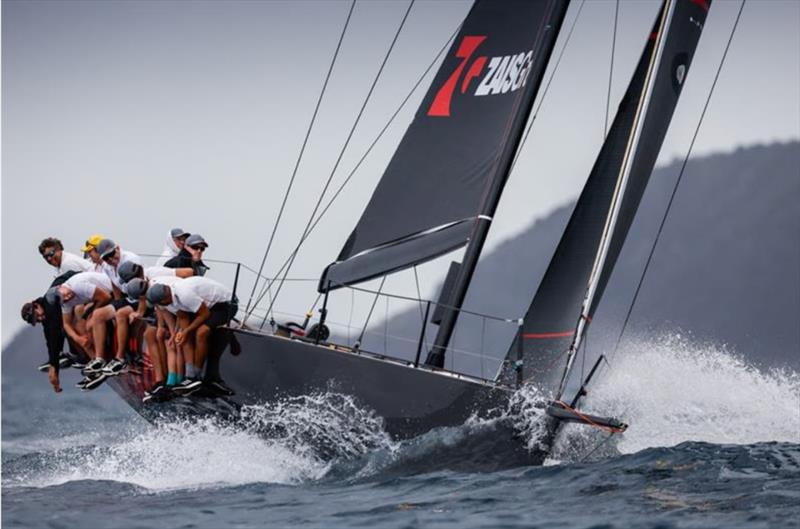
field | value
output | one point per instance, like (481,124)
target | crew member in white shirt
(77,291)
(53,252)
(90,251)
(127,315)
(113,257)
(203,305)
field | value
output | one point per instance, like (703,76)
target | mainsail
(446,176)
(584,259)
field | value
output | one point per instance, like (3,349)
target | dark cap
(177,232)
(28,313)
(196,239)
(128,270)
(157,293)
(136,288)
(106,247)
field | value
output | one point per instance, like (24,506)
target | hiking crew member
(53,252)
(121,307)
(129,273)
(90,251)
(164,353)
(191,255)
(176,238)
(77,291)
(47,311)
(203,305)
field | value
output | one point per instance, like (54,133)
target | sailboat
(439,193)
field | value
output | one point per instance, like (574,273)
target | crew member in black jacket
(47,311)
(191,255)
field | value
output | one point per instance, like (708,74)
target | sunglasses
(110,256)
(199,248)
(49,255)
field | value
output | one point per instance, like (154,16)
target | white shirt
(189,294)
(169,251)
(72,263)
(83,285)
(112,273)
(159,271)
(170,281)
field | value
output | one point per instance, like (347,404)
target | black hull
(410,400)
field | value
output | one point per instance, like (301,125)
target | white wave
(305,433)
(672,390)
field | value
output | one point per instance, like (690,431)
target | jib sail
(585,256)
(448,170)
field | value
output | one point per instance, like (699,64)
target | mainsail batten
(585,256)
(452,157)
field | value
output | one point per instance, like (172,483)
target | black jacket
(53,325)
(184,260)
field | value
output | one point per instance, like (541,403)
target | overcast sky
(129,118)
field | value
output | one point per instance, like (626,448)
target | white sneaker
(95,366)
(114,367)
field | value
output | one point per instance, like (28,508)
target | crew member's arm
(141,308)
(184,272)
(117,293)
(200,317)
(101,297)
(54,337)
(67,319)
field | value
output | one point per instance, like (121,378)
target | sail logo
(504,74)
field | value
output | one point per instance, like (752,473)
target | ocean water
(713,442)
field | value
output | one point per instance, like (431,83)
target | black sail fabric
(550,323)
(439,179)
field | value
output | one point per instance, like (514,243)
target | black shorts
(221,314)
(124,302)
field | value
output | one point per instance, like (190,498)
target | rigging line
(598,446)
(419,296)
(547,85)
(611,68)
(677,182)
(421,312)
(364,156)
(346,144)
(300,155)
(357,345)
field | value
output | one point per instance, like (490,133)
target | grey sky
(128,118)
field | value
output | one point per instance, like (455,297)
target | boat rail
(486,336)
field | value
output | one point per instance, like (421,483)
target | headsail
(584,259)
(449,168)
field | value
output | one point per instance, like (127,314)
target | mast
(622,183)
(543,49)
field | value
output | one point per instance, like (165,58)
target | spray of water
(672,389)
(285,442)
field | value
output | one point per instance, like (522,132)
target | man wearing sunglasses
(121,307)
(53,252)
(191,255)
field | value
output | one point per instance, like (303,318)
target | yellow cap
(92,242)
